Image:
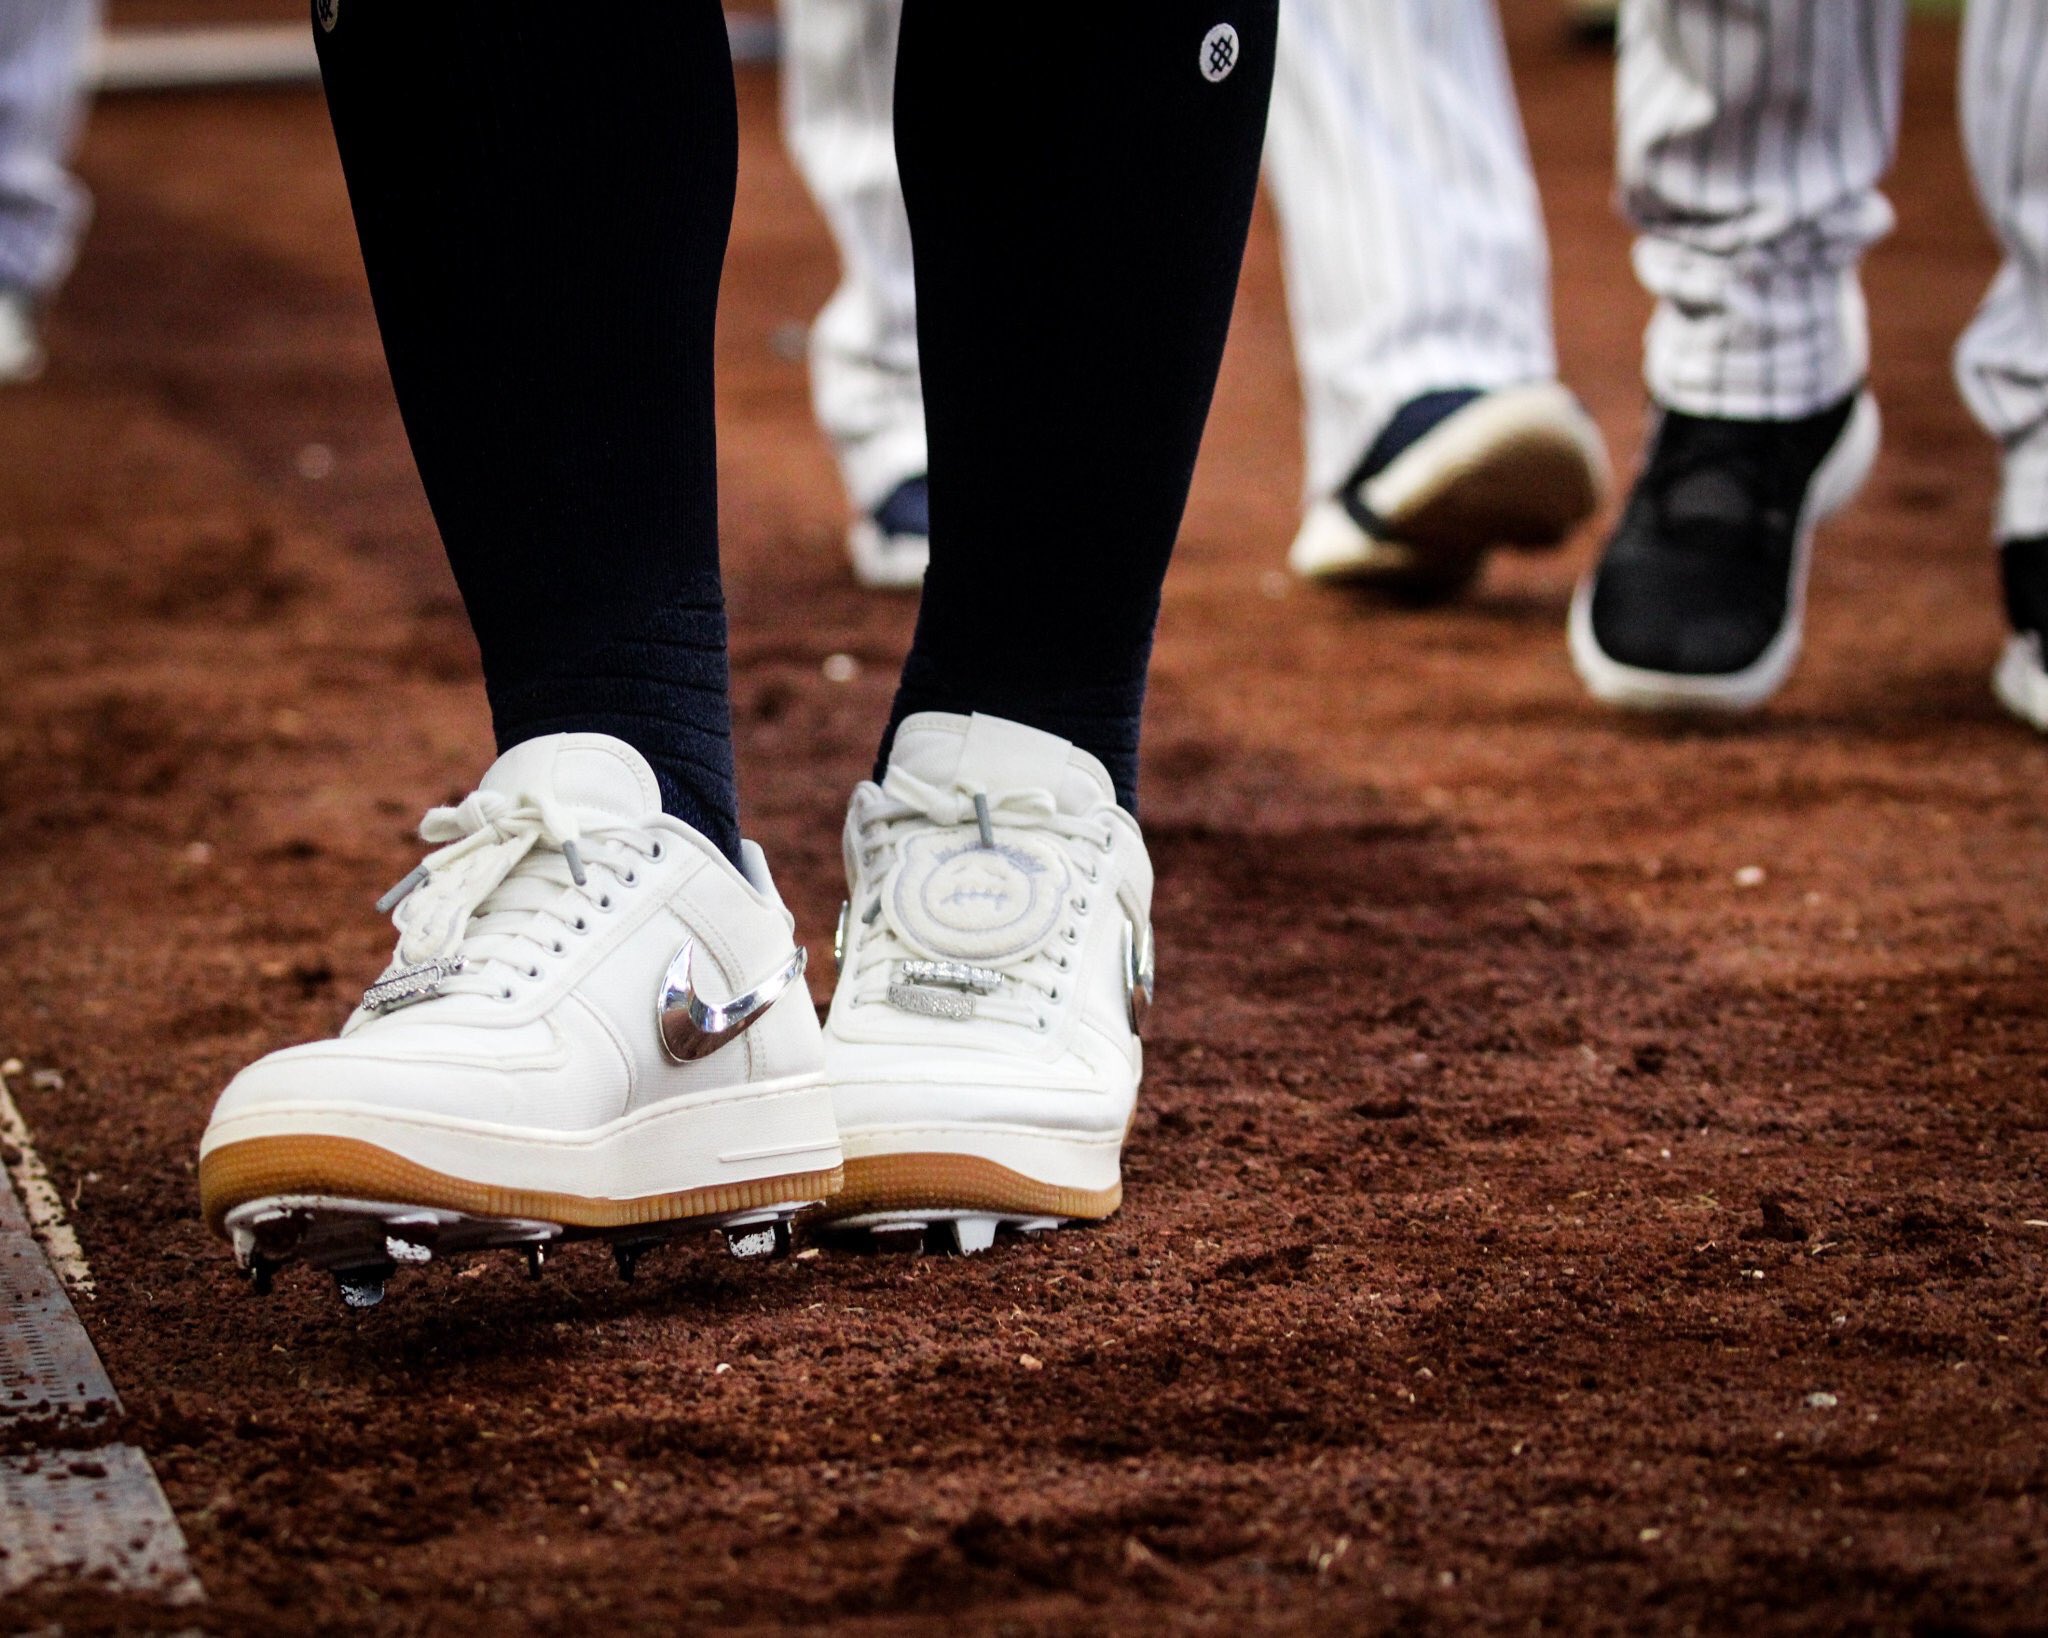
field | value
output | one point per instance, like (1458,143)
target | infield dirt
(1589,1176)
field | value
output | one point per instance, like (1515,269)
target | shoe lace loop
(511,873)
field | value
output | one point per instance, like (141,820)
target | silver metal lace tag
(411,984)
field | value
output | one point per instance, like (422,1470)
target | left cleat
(1453,475)
(995,964)
(891,545)
(21,352)
(542,1060)
(2021,679)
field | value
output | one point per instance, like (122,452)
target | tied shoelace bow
(510,879)
(1032,977)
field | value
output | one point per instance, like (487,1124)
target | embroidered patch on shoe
(953,899)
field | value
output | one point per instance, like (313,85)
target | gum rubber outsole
(259,1168)
(912,1183)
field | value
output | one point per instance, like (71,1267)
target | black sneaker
(1698,600)
(2021,681)
(1454,474)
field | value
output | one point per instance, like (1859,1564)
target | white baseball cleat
(995,966)
(593,1025)
(1453,475)
(21,353)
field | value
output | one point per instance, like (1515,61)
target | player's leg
(42,208)
(1753,136)
(595,1019)
(2002,363)
(1418,287)
(1079,205)
(838,96)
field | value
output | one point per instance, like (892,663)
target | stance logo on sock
(1219,53)
(329,13)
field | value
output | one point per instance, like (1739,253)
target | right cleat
(594,1026)
(1698,602)
(995,963)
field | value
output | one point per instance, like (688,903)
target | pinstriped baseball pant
(1753,137)
(1413,239)
(42,210)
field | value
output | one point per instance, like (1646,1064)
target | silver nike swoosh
(692,1028)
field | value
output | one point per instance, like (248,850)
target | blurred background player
(43,46)
(594,1017)
(1417,278)
(1752,141)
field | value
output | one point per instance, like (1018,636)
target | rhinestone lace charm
(411,984)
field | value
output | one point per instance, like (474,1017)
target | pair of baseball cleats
(596,1026)
(1698,603)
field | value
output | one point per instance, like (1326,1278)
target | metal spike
(261,1272)
(757,1240)
(972,1234)
(627,1254)
(536,1260)
(363,1287)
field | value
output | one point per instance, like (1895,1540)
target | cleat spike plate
(897,1237)
(536,1260)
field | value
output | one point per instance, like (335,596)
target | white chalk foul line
(39,1196)
(70,1508)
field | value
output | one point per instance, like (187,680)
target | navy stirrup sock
(1079,217)
(543,197)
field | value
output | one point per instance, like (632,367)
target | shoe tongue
(993,756)
(591,773)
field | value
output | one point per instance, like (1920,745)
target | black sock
(1080,194)
(543,192)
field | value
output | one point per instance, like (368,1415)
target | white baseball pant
(1753,137)
(43,46)
(1413,237)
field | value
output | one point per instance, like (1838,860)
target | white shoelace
(1032,978)
(512,885)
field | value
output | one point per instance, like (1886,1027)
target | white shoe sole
(1522,466)
(1638,688)
(2021,682)
(886,562)
(318,1173)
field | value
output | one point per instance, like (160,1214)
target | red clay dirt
(1528,1227)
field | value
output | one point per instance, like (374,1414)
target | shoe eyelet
(579,925)
(605,903)
(657,852)
(558,948)
(631,878)
(1081,904)
(1053,994)
(506,993)
(1063,963)
(533,972)
(1071,935)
